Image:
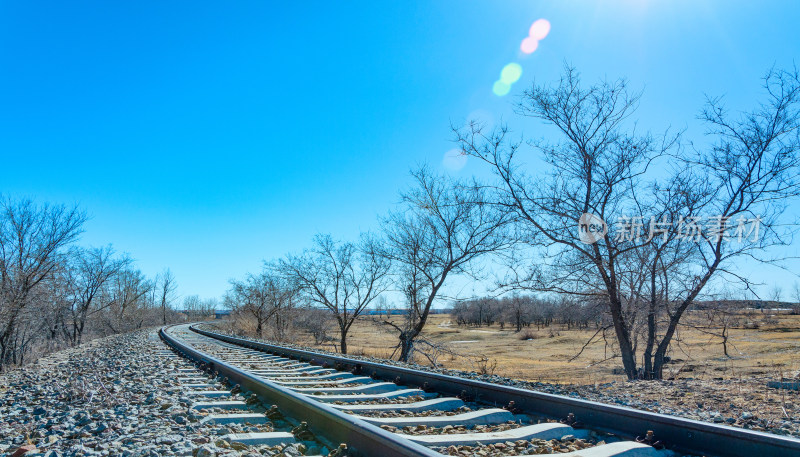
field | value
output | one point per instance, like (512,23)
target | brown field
(771,350)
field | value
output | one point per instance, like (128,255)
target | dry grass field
(771,350)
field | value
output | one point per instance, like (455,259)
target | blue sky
(206,137)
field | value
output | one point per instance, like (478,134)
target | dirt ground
(549,354)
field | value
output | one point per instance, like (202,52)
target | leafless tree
(166,286)
(776,293)
(55,305)
(716,318)
(197,308)
(32,239)
(53,293)
(796,298)
(442,228)
(91,271)
(264,296)
(602,166)
(518,310)
(130,306)
(342,277)
(315,321)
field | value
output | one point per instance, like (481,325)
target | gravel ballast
(116,396)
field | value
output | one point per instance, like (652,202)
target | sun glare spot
(454,160)
(529,45)
(540,29)
(511,73)
(500,88)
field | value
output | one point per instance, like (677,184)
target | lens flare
(511,73)
(529,45)
(500,88)
(454,160)
(540,29)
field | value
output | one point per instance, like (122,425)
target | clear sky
(208,136)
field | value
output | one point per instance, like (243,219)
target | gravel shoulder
(111,397)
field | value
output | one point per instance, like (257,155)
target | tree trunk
(406,346)
(623,338)
(343,342)
(661,351)
(651,328)
(725,341)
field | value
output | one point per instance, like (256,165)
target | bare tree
(339,276)
(166,285)
(315,321)
(56,303)
(52,293)
(32,238)
(128,293)
(716,318)
(264,296)
(91,271)
(776,293)
(796,298)
(601,168)
(442,228)
(518,309)
(197,308)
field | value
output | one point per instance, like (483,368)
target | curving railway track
(352,407)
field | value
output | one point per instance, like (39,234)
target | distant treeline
(748,304)
(525,311)
(399,312)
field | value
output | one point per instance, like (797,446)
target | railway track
(386,410)
(234,420)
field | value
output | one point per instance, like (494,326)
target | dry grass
(545,354)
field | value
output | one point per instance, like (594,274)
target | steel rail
(680,434)
(327,423)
